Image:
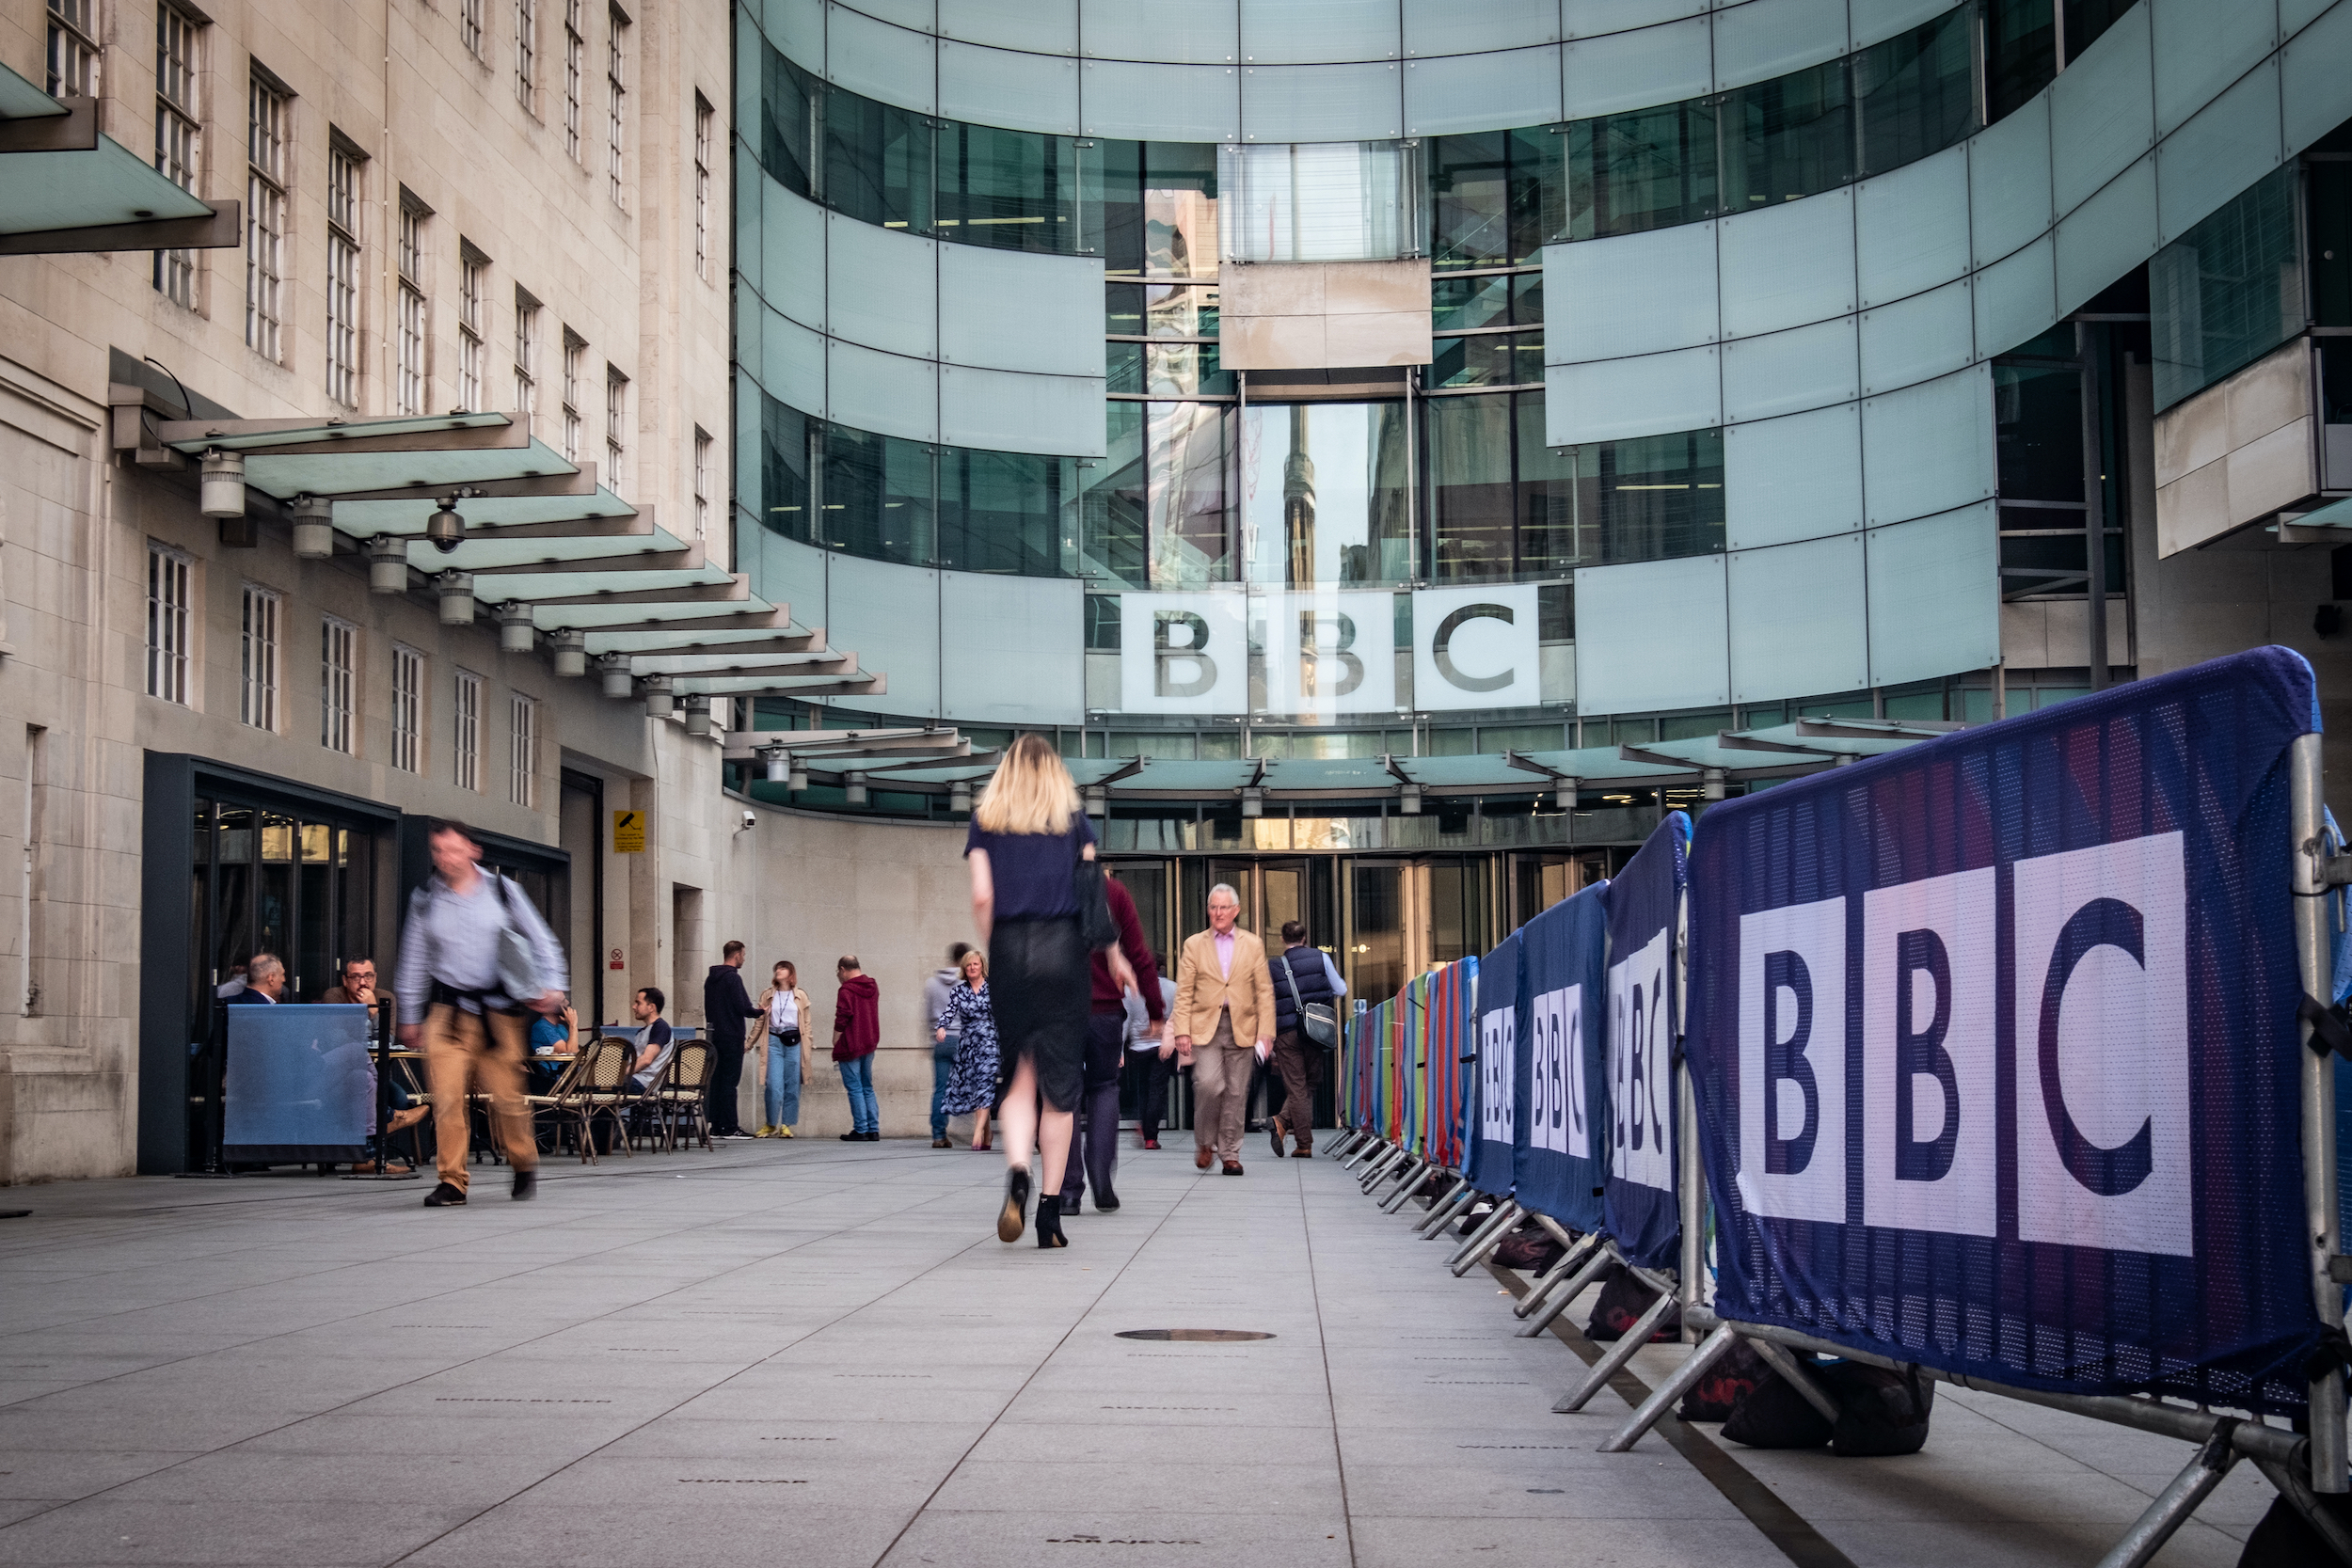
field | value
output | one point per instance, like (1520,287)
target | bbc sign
(1329,652)
(2100,1048)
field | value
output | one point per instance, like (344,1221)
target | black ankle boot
(1012,1217)
(1049,1221)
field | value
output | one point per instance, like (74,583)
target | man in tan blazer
(1224,1014)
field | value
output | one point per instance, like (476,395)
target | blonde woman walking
(1026,841)
(964,1017)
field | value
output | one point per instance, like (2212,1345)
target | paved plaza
(818,1354)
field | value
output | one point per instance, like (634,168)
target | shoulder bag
(1318,1021)
(1094,907)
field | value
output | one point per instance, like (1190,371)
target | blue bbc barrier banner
(1564,1059)
(1638,1196)
(1995,1052)
(1498,1090)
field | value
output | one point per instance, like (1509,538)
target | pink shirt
(1224,955)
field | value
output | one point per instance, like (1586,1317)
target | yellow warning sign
(629,832)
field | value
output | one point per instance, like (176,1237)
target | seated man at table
(264,981)
(653,1047)
(357,989)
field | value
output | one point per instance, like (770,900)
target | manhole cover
(1194,1336)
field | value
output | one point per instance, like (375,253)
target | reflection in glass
(784,470)
(1182,369)
(878,162)
(1459,303)
(1112,530)
(1181,311)
(1009,190)
(1374,962)
(2228,292)
(1555,534)
(1645,169)
(1001,512)
(1918,91)
(1496,360)
(1471,502)
(1157,206)
(787,118)
(1787,138)
(278,836)
(877,496)
(1324,493)
(1185,473)
(1495,197)
(2020,51)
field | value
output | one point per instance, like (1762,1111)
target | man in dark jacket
(724,1007)
(1094,1135)
(856,1031)
(1297,1060)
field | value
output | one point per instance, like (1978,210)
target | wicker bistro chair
(680,1096)
(548,1111)
(597,1085)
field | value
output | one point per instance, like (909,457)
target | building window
(259,705)
(703,118)
(701,482)
(177,136)
(526,51)
(470,26)
(616,90)
(522,763)
(469,735)
(167,623)
(575,63)
(343,277)
(408,396)
(474,270)
(72,48)
(264,215)
(338,663)
(574,350)
(615,427)
(408,710)
(526,357)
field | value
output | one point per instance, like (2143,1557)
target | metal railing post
(2305,816)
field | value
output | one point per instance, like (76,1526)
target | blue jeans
(784,1080)
(943,1068)
(858,1078)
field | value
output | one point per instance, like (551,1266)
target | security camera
(751,817)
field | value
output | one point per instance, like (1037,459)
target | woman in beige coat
(786,1006)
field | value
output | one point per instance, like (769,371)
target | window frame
(522,749)
(409,714)
(575,353)
(170,622)
(705,448)
(615,427)
(466,689)
(345,207)
(474,276)
(705,123)
(575,76)
(72,53)
(339,685)
(527,312)
(470,31)
(412,358)
(616,102)
(179,132)
(260,644)
(527,55)
(268,177)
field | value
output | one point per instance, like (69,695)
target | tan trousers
(457,1052)
(1220,1090)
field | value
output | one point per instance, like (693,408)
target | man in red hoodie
(856,1030)
(1094,1143)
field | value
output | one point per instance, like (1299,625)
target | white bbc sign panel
(1184,653)
(1497,1056)
(2100,1053)
(1555,1096)
(1640,1069)
(1476,647)
(1331,652)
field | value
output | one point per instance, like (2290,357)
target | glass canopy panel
(533,587)
(366,519)
(475,555)
(23,100)
(331,429)
(106,184)
(437,473)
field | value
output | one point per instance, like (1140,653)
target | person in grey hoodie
(936,988)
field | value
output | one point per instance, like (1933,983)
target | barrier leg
(2306,815)
(1348,1140)
(1381,1162)
(1405,1192)
(1482,1240)
(1709,1351)
(1567,1243)
(1781,1360)
(1362,1150)
(1575,1262)
(2176,1503)
(1402,1171)
(1563,1293)
(1434,1198)
(2297,1492)
(1597,1375)
(1445,1213)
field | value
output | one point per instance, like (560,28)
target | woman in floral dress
(972,1081)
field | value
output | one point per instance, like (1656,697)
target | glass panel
(1796,619)
(878,496)
(1928,448)
(277,837)
(1112,530)
(1659,495)
(1471,504)
(1556,534)
(2206,48)
(1124,367)
(884,290)
(886,392)
(1205,32)
(788,118)
(2208,160)
(1009,88)
(1010,411)
(1122,310)
(1326,202)
(1644,170)
(1012,190)
(1913,339)
(2016,297)
(1457,909)
(199,949)
(1774,38)
(1135,98)
(1374,960)
(1783,372)
(2228,290)
(1470,203)
(1179,311)
(310,963)
(1911,228)
(1639,296)
(2108,235)
(1637,67)
(878,162)
(1937,574)
(2037,434)
(1467,91)
(1322,489)
(1185,370)
(1000,512)
(1498,359)
(864,55)
(784,470)
(1619,398)
(232,931)
(1185,462)
(2008,201)
(1788,265)
(1794,478)
(1787,138)
(1645,664)
(1321,102)
(2329,217)
(2021,51)
(1012,312)
(1321,30)
(2087,19)
(1918,91)
(2101,116)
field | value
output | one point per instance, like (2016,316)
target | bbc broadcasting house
(1396,450)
